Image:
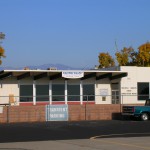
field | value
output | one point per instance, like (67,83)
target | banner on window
(73,74)
(56,112)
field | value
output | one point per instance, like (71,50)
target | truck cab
(142,112)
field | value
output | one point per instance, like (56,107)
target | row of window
(58,92)
(73,92)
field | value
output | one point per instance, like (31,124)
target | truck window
(147,103)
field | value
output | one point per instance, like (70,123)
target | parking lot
(86,135)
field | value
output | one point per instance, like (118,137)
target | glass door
(115,97)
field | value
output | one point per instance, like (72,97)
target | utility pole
(116,45)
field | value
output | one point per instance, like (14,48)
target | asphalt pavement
(75,135)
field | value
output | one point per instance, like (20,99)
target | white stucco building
(127,85)
(135,87)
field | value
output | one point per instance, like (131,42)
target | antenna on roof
(85,67)
(116,45)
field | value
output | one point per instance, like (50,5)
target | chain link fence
(97,99)
(80,107)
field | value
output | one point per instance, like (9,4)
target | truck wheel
(144,117)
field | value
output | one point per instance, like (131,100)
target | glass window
(88,92)
(26,93)
(73,92)
(42,92)
(58,92)
(143,91)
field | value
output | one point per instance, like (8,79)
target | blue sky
(70,32)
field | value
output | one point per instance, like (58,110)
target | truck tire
(144,117)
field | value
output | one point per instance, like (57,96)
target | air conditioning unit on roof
(26,68)
(52,68)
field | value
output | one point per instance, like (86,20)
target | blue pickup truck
(142,112)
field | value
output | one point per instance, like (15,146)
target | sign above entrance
(73,74)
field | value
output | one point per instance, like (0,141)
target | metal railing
(98,99)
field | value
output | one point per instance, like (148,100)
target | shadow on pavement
(43,131)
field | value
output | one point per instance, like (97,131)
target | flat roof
(54,74)
(38,70)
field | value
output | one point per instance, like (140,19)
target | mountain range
(43,67)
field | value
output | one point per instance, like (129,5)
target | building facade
(124,85)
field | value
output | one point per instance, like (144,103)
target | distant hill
(42,67)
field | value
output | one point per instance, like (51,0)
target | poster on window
(103,92)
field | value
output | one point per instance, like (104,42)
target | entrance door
(115,96)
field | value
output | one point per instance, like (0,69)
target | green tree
(105,60)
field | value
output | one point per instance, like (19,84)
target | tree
(143,56)
(2,51)
(126,56)
(133,57)
(2,36)
(105,60)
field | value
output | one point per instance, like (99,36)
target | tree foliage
(105,60)
(126,56)
(2,54)
(2,35)
(143,56)
(2,51)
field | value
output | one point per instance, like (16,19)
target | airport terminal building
(121,85)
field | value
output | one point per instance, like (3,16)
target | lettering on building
(56,112)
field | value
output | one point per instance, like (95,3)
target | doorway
(115,97)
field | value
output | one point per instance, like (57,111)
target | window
(73,92)
(143,90)
(88,92)
(58,92)
(26,93)
(42,92)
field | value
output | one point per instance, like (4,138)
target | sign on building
(72,74)
(1,109)
(103,92)
(56,112)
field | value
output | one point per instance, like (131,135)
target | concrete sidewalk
(132,143)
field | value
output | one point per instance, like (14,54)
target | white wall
(129,84)
(100,86)
(8,86)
